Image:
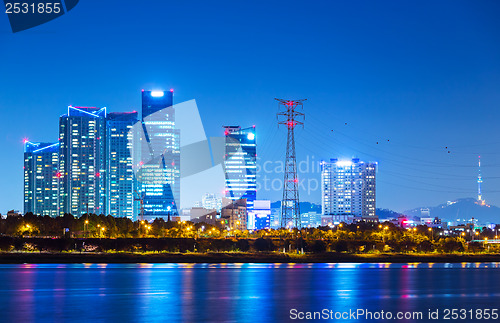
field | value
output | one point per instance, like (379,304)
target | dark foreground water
(241,292)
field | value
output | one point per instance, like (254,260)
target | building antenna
(288,116)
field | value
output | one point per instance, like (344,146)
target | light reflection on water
(236,292)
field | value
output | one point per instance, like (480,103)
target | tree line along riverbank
(132,250)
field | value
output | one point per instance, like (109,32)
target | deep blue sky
(424,75)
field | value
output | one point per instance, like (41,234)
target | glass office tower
(348,189)
(120,180)
(82,138)
(240,164)
(159,167)
(41,178)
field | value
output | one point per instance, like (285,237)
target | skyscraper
(348,189)
(240,164)
(82,159)
(159,166)
(119,164)
(41,178)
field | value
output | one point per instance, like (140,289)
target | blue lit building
(119,164)
(260,216)
(41,178)
(82,160)
(310,219)
(240,164)
(348,190)
(159,173)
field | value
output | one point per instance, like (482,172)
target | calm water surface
(236,292)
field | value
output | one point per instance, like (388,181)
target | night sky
(413,85)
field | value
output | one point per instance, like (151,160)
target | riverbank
(236,257)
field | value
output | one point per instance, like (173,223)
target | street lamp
(28,228)
(85,227)
(169,208)
(102,231)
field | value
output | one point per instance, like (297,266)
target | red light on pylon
(98,174)
(58,175)
(296,180)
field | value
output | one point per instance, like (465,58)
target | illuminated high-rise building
(119,164)
(240,164)
(82,156)
(41,178)
(348,189)
(159,173)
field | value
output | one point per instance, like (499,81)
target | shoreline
(76,257)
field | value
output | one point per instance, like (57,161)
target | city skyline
(249,161)
(414,100)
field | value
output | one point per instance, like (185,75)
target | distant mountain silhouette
(387,214)
(465,208)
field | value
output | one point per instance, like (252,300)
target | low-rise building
(234,214)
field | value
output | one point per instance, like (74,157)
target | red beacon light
(172,90)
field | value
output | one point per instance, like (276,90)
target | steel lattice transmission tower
(289,116)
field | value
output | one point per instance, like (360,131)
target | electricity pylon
(289,116)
